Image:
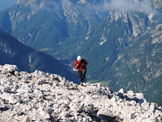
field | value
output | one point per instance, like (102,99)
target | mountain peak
(40,96)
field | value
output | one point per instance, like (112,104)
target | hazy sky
(6,4)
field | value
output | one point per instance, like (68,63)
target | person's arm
(76,64)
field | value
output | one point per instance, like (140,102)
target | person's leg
(81,76)
(82,79)
(84,74)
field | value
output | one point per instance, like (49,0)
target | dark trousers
(82,75)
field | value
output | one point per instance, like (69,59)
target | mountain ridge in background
(28,59)
(6,4)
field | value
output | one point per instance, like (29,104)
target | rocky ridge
(45,97)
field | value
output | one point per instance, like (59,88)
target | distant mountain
(6,4)
(139,67)
(28,59)
(120,39)
(68,28)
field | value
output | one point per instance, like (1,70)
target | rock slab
(44,97)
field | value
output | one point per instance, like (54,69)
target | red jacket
(80,65)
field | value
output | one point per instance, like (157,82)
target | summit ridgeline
(44,97)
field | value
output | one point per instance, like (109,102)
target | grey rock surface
(44,97)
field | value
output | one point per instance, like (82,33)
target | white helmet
(79,58)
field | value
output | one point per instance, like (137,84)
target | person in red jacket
(81,65)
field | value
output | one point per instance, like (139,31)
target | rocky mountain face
(141,61)
(40,96)
(120,39)
(28,59)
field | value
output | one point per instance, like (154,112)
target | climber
(80,64)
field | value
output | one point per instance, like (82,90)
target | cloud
(129,6)
(118,5)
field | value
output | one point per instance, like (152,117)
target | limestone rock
(40,96)
(9,68)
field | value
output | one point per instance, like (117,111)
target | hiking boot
(81,83)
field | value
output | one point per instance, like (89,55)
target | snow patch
(103,40)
